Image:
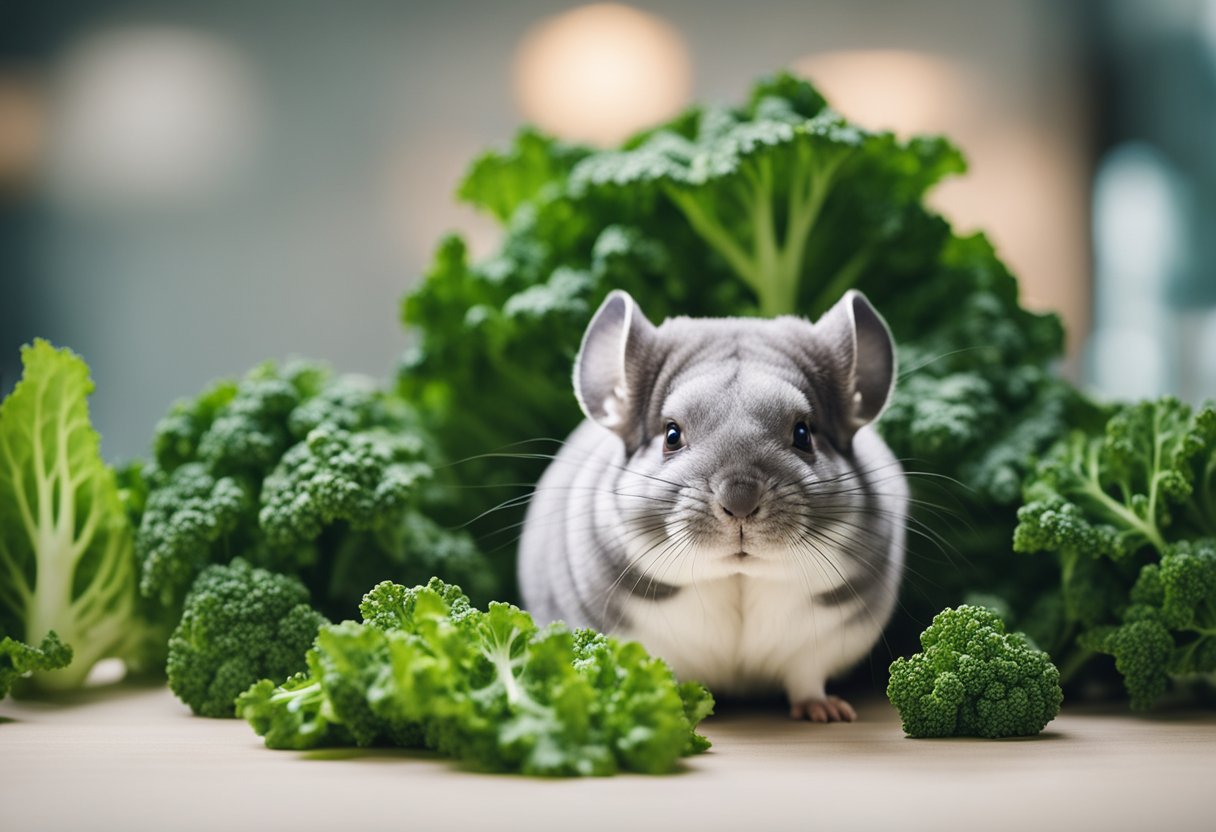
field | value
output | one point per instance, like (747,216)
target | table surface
(134,758)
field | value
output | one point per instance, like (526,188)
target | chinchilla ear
(610,370)
(861,342)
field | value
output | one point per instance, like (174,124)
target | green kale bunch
(1128,511)
(325,478)
(972,679)
(240,625)
(425,669)
(777,206)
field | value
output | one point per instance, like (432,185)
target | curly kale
(1129,511)
(18,660)
(972,679)
(1110,496)
(1169,628)
(426,669)
(321,477)
(240,625)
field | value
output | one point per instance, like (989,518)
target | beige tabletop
(132,759)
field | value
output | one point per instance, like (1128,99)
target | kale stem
(1155,477)
(712,231)
(1094,488)
(800,223)
(764,233)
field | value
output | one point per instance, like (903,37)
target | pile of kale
(270,504)
(778,207)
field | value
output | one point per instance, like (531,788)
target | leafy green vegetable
(18,659)
(67,572)
(777,206)
(1128,510)
(240,625)
(972,679)
(426,669)
(321,477)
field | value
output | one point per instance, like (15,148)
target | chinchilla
(727,502)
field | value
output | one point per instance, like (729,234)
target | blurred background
(187,189)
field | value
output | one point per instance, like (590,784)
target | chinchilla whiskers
(811,549)
(900,470)
(822,535)
(814,546)
(675,557)
(846,483)
(905,372)
(860,543)
(822,524)
(797,547)
(668,544)
(939,510)
(899,603)
(941,513)
(659,518)
(914,526)
(853,472)
(524,499)
(552,458)
(848,513)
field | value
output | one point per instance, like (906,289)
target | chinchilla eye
(802,437)
(673,438)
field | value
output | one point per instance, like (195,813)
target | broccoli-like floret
(1169,628)
(1123,508)
(176,436)
(240,624)
(1142,656)
(973,679)
(296,470)
(191,519)
(364,479)
(249,434)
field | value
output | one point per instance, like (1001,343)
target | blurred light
(22,131)
(106,672)
(151,115)
(1023,186)
(1137,207)
(599,73)
(888,89)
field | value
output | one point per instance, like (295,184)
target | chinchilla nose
(739,498)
